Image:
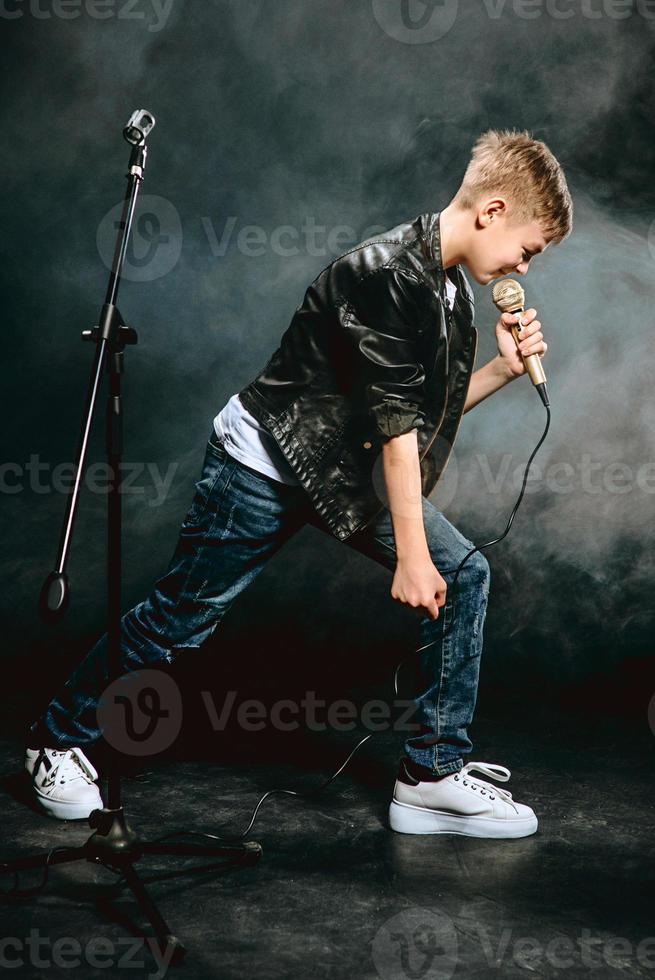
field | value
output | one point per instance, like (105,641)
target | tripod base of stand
(117,847)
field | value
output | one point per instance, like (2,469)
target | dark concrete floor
(339,895)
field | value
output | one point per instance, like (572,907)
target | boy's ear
(491,209)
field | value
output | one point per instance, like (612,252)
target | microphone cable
(315,791)
(308,794)
(15,892)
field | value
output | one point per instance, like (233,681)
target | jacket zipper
(445,405)
(459,421)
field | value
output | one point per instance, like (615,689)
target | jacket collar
(431,234)
(430,227)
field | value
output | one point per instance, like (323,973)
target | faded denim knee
(474,574)
(479,571)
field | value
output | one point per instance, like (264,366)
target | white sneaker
(459,804)
(63,782)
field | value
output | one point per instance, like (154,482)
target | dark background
(291,113)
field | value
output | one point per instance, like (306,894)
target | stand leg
(244,854)
(168,942)
(114,845)
(63,856)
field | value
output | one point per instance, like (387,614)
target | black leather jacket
(373,351)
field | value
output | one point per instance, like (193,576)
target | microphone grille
(508,295)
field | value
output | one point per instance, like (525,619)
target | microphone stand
(114,844)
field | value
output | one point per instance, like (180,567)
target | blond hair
(511,162)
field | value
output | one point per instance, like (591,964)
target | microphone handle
(532,362)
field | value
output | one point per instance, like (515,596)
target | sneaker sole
(407,819)
(65,811)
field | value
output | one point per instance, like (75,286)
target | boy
(340,430)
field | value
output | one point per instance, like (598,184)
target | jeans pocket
(215,446)
(213,465)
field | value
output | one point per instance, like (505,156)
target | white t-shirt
(245,439)
(451,289)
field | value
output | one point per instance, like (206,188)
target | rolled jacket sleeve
(384,318)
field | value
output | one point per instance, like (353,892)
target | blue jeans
(237,521)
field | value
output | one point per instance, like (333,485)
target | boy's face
(497,247)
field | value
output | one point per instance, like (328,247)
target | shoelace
(492,769)
(72,764)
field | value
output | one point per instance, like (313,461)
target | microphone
(509,297)
(140,123)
